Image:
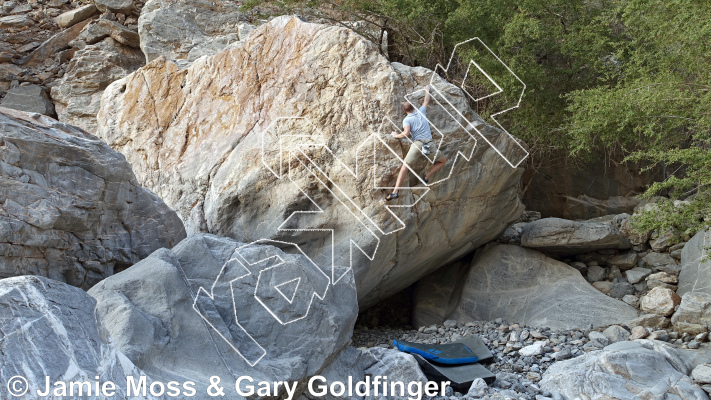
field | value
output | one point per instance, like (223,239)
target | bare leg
(436,167)
(400,177)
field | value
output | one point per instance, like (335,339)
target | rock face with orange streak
(197,136)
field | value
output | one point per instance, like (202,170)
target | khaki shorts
(415,153)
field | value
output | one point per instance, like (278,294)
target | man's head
(407,107)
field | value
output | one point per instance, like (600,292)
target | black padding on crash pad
(460,376)
(474,343)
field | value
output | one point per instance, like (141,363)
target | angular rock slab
(197,135)
(52,329)
(524,286)
(694,313)
(562,236)
(641,369)
(187,29)
(151,312)
(70,207)
(695,275)
(31,98)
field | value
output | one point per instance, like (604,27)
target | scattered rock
(116,6)
(30,98)
(621,289)
(532,350)
(616,333)
(72,209)
(50,48)
(75,16)
(14,23)
(51,329)
(658,260)
(603,286)
(477,389)
(596,273)
(631,300)
(623,261)
(637,274)
(662,279)
(662,242)
(600,337)
(622,371)
(650,320)
(97,31)
(638,332)
(660,301)
(702,373)
(562,236)
(694,313)
(539,292)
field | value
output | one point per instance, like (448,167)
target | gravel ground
(521,354)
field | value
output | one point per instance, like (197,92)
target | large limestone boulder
(197,137)
(561,236)
(641,369)
(524,286)
(695,275)
(70,207)
(51,329)
(212,306)
(77,96)
(188,29)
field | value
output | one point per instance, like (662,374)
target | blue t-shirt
(419,127)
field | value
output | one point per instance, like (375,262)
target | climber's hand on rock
(394,134)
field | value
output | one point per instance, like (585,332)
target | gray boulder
(52,329)
(695,275)
(188,29)
(524,286)
(214,306)
(561,236)
(71,208)
(661,261)
(30,98)
(694,313)
(642,369)
(377,361)
(637,274)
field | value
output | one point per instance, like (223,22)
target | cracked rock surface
(194,136)
(70,207)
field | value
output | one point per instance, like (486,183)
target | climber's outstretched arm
(405,133)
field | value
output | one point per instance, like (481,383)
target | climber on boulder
(416,124)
